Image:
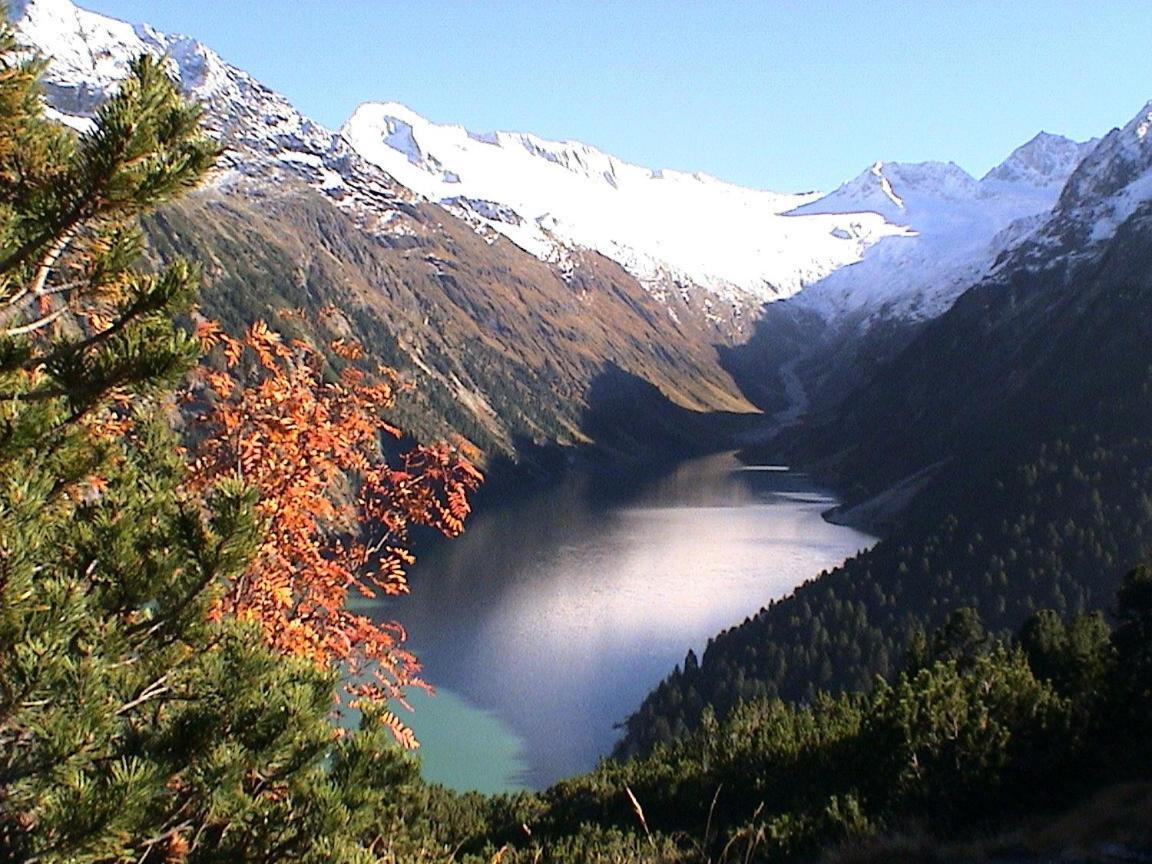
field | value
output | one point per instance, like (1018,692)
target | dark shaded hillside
(1028,409)
(831,360)
(628,415)
(503,349)
(1021,354)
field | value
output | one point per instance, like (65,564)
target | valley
(813,524)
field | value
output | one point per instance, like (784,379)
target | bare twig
(37,324)
(156,688)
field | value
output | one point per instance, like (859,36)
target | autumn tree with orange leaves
(336,512)
(142,716)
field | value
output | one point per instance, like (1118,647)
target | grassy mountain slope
(503,349)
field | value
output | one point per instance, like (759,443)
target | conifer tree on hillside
(137,723)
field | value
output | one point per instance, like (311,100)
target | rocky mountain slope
(267,139)
(505,348)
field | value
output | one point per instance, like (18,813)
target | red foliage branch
(337,513)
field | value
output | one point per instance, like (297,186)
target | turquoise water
(487,756)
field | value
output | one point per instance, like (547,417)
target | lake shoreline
(558,610)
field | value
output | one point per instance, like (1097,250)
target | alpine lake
(545,624)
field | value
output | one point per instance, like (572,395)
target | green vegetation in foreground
(134,726)
(973,738)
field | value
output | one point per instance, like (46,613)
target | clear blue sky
(779,95)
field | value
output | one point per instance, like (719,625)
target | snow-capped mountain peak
(669,228)
(267,139)
(903,192)
(89,52)
(957,228)
(1045,161)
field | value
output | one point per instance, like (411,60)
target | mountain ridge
(569,194)
(544,209)
(687,237)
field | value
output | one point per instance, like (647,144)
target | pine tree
(134,724)
(1129,715)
